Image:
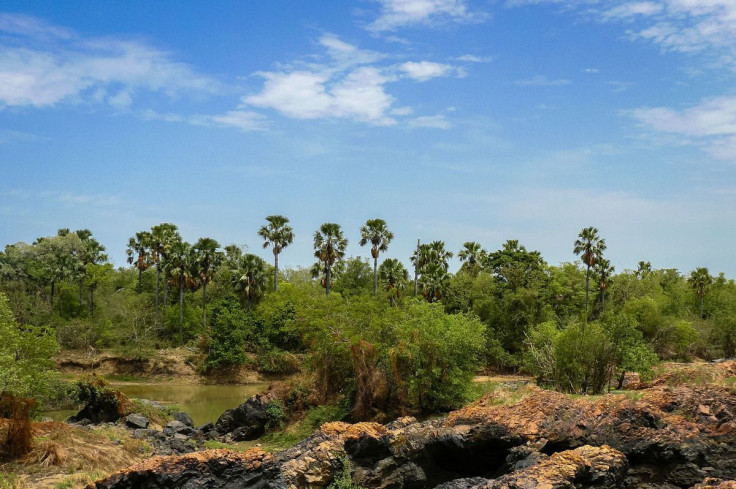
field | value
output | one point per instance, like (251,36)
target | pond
(204,403)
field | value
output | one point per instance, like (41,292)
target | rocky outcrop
(662,437)
(247,421)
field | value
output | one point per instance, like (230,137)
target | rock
(136,421)
(247,421)
(184,418)
(177,427)
(544,440)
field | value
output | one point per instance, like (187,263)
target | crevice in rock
(453,458)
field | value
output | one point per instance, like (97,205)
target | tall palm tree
(378,235)
(590,247)
(181,263)
(473,255)
(433,281)
(163,237)
(394,275)
(139,253)
(643,268)
(93,253)
(278,235)
(604,270)
(249,278)
(329,246)
(700,279)
(207,258)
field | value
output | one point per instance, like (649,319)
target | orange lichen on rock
(603,465)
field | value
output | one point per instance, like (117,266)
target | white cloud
(687,26)
(425,70)
(242,119)
(542,81)
(632,9)
(712,124)
(432,121)
(308,95)
(400,13)
(471,58)
(79,69)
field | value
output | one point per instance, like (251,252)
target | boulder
(177,427)
(184,418)
(136,421)
(247,421)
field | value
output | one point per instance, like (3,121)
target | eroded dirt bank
(662,436)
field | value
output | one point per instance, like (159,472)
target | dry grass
(65,456)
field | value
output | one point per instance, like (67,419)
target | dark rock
(467,483)
(136,421)
(247,421)
(184,418)
(177,427)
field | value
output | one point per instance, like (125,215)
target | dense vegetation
(368,335)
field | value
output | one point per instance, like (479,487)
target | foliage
(25,355)
(344,479)
(233,332)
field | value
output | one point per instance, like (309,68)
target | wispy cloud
(542,81)
(687,26)
(712,124)
(472,58)
(425,70)
(74,68)
(432,121)
(395,14)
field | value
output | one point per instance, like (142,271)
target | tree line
(237,308)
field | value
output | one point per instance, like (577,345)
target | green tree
(393,274)
(278,235)
(139,254)
(700,279)
(207,257)
(163,237)
(26,364)
(472,255)
(182,263)
(329,246)
(590,247)
(377,234)
(643,268)
(603,270)
(249,278)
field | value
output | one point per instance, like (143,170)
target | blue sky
(456,120)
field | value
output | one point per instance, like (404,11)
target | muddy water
(204,403)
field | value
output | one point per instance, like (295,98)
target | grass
(295,432)
(501,393)
(9,481)
(79,480)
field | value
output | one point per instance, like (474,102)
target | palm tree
(433,281)
(377,234)
(329,246)
(139,252)
(181,262)
(249,278)
(604,270)
(163,236)
(207,258)
(394,275)
(277,234)
(92,254)
(643,268)
(590,247)
(473,255)
(700,279)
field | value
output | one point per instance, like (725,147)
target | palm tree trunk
(603,300)
(375,276)
(53,291)
(702,303)
(158,282)
(140,280)
(587,289)
(275,271)
(328,277)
